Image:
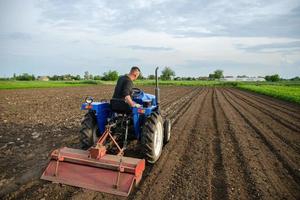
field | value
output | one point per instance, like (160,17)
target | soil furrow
(292,171)
(240,176)
(218,177)
(288,136)
(171,110)
(170,97)
(182,106)
(282,118)
(266,165)
(271,101)
(254,116)
(268,104)
(190,180)
(173,152)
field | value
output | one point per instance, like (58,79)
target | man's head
(134,72)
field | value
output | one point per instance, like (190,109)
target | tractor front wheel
(152,137)
(88,131)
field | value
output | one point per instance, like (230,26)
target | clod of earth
(35,135)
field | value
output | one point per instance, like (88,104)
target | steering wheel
(136,92)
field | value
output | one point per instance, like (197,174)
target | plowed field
(225,144)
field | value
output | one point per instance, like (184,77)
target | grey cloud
(54,23)
(285,25)
(273,47)
(205,67)
(149,48)
(182,19)
(117,61)
(124,60)
(231,67)
(16,36)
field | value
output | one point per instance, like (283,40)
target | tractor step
(108,174)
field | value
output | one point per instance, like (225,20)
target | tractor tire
(88,131)
(152,138)
(167,130)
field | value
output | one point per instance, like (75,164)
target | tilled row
(271,103)
(172,104)
(225,144)
(269,167)
(227,152)
(287,119)
(240,182)
(158,182)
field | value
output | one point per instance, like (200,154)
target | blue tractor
(103,164)
(144,124)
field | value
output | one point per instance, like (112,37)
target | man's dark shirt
(123,87)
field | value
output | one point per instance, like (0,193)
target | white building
(43,78)
(245,79)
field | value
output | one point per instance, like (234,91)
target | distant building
(245,79)
(203,78)
(244,76)
(177,78)
(43,78)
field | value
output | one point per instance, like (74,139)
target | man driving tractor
(101,164)
(123,89)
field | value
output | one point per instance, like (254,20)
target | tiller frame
(94,169)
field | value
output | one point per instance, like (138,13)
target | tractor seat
(120,106)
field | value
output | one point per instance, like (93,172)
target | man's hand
(137,105)
(129,101)
(132,103)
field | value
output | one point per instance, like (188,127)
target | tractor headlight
(89,100)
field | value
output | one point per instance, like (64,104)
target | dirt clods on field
(225,144)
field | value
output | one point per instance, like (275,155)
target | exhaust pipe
(156,87)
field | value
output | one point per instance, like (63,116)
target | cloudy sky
(193,37)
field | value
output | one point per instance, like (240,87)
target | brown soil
(225,144)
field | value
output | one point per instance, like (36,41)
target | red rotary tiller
(94,169)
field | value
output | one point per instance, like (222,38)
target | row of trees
(273,78)
(66,77)
(24,77)
(107,76)
(166,74)
(216,75)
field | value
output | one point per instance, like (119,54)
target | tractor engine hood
(143,98)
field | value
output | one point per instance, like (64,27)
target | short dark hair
(135,68)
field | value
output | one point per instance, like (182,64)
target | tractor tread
(148,136)
(88,127)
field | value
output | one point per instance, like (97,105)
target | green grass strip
(178,83)
(44,84)
(284,92)
(57,84)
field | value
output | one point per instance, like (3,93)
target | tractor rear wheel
(152,137)
(88,131)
